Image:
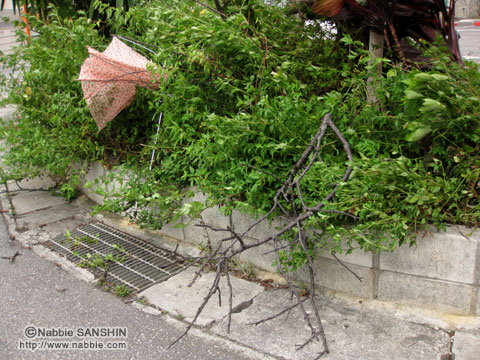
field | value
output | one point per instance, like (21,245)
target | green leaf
(439,77)
(418,134)
(412,95)
(430,105)
(423,77)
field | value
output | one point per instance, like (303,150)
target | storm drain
(117,257)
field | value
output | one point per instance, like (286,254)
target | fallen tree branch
(234,243)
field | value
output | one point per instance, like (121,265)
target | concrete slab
(478,302)
(38,183)
(59,227)
(7,113)
(96,171)
(262,257)
(466,345)
(182,301)
(430,293)
(266,228)
(357,257)
(172,231)
(26,202)
(332,275)
(351,334)
(211,216)
(200,236)
(8,12)
(449,255)
(40,219)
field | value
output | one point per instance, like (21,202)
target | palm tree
(398,20)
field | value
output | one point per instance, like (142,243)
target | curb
(40,250)
(71,268)
(467,22)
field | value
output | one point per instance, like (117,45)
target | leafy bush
(53,132)
(245,93)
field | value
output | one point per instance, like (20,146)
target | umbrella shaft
(156,139)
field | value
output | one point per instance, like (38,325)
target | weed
(122,290)
(179,316)
(143,300)
(245,270)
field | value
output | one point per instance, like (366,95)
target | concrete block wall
(441,272)
(467,9)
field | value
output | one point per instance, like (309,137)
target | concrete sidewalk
(356,329)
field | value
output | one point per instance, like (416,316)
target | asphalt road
(470,42)
(33,291)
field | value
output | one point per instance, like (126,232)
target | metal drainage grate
(131,261)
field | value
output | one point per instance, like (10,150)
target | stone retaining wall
(441,272)
(467,9)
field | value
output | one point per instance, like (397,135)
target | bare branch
(346,267)
(286,201)
(261,171)
(11,259)
(230,299)
(278,314)
(221,13)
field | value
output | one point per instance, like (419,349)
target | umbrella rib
(136,42)
(120,69)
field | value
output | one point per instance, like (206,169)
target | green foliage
(53,132)
(248,92)
(230,101)
(52,129)
(122,290)
(65,8)
(234,100)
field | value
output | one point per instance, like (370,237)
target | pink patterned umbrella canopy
(109,79)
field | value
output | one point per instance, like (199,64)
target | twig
(223,15)
(346,267)
(105,272)
(212,290)
(209,242)
(11,259)
(230,298)
(175,252)
(331,211)
(277,315)
(218,6)
(262,171)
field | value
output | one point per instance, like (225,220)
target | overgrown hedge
(249,92)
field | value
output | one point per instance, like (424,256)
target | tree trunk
(375,46)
